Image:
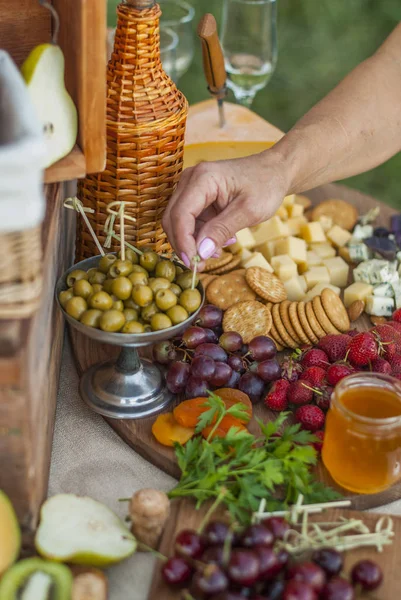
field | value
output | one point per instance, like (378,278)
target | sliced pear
(80,530)
(44,72)
(10,533)
(36,579)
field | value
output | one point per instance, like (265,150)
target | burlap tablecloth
(89,458)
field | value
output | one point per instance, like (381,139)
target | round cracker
(229,289)
(249,319)
(285,317)
(343,214)
(294,319)
(215,263)
(321,316)
(230,266)
(265,284)
(287,339)
(313,322)
(305,324)
(206,279)
(335,310)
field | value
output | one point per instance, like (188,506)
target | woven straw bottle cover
(146,117)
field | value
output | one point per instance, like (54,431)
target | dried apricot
(167,431)
(188,412)
(231,397)
(223,427)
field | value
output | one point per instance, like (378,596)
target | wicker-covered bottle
(146,117)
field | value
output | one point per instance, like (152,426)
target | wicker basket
(146,117)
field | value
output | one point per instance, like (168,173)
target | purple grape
(269,370)
(252,385)
(210,316)
(257,535)
(177,376)
(243,567)
(231,341)
(211,336)
(221,375)
(262,348)
(244,350)
(213,351)
(215,533)
(176,571)
(214,555)
(236,363)
(203,367)
(210,580)
(196,388)
(164,352)
(234,380)
(193,337)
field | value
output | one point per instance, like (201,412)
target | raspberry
(397,315)
(310,417)
(381,366)
(298,393)
(362,349)
(337,372)
(318,445)
(276,399)
(315,376)
(315,358)
(335,346)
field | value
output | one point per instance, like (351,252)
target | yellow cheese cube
(326,223)
(294,247)
(302,282)
(313,259)
(295,210)
(273,229)
(317,275)
(324,250)
(339,236)
(338,270)
(245,239)
(288,200)
(357,291)
(295,224)
(284,267)
(282,213)
(318,289)
(245,254)
(267,249)
(344,253)
(258,260)
(313,232)
(303,267)
(294,288)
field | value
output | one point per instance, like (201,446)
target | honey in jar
(362,444)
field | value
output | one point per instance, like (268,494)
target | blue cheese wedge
(361,232)
(376,271)
(358,252)
(384,289)
(397,293)
(379,306)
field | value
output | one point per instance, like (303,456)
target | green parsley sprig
(246,467)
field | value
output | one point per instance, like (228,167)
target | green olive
(160,321)
(106,261)
(107,285)
(133,327)
(190,300)
(149,260)
(177,314)
(148,311)
(121,267)
(147,328)
(76,307)
(139,269)
(122,288)
(91,318)
(101,301)
(142,295)
(176,289)
(130,255)
(65,296)
(76,275)
(96,277)
(131,304)
(130,314)
(90,272)
(82,288)
(117,304)
(166,269)
(185,280)
(97,287)
(112,321)
(159,283)
(165,299)
(138,278)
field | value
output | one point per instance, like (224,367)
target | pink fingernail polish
(216,255)
(185,260)
(207,248)
(230,241)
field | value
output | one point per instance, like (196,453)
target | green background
(320,41)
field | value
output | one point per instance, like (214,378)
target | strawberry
(299,393)
(362,349)
(381,366)
(322,397)
(396,364)
(315,376)
(335,346)
(397,315)
(290,369)
(397,376)
(318,445)
(395,325)
(276,399)
(386,335)
(352,332)
(337,372)
(310,417)
(315,358)
(389,351)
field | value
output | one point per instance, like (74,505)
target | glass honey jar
(362,444)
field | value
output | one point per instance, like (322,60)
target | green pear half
(10,533)
(80,530)
(43,72)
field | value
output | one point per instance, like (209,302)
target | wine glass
(249,41)
(178,16)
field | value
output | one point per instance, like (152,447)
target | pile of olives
(136,295)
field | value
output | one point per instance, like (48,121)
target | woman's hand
(215,200)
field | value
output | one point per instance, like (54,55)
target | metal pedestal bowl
(130,387)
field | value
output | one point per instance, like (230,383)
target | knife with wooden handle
(213,62)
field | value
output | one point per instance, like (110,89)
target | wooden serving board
(137,434)
(184,515)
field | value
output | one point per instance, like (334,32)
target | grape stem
(212,509)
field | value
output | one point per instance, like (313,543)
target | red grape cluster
(205,358)
(221,564)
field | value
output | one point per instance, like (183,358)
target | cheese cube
(295,224)
(288,200)
(282,213)
(313,232)
(339,236)
(302,283)
(294,288)
(245,254)
(317,275)
(323,250)
(326,223)
(267,249)
(345,254)
(338,270)
(357,291)
(303,267)
(379,306)
(245,239)
(295,210)
(284,267)
(313,259)
(318,289)
(294,247)
(258,260)
(273,229)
